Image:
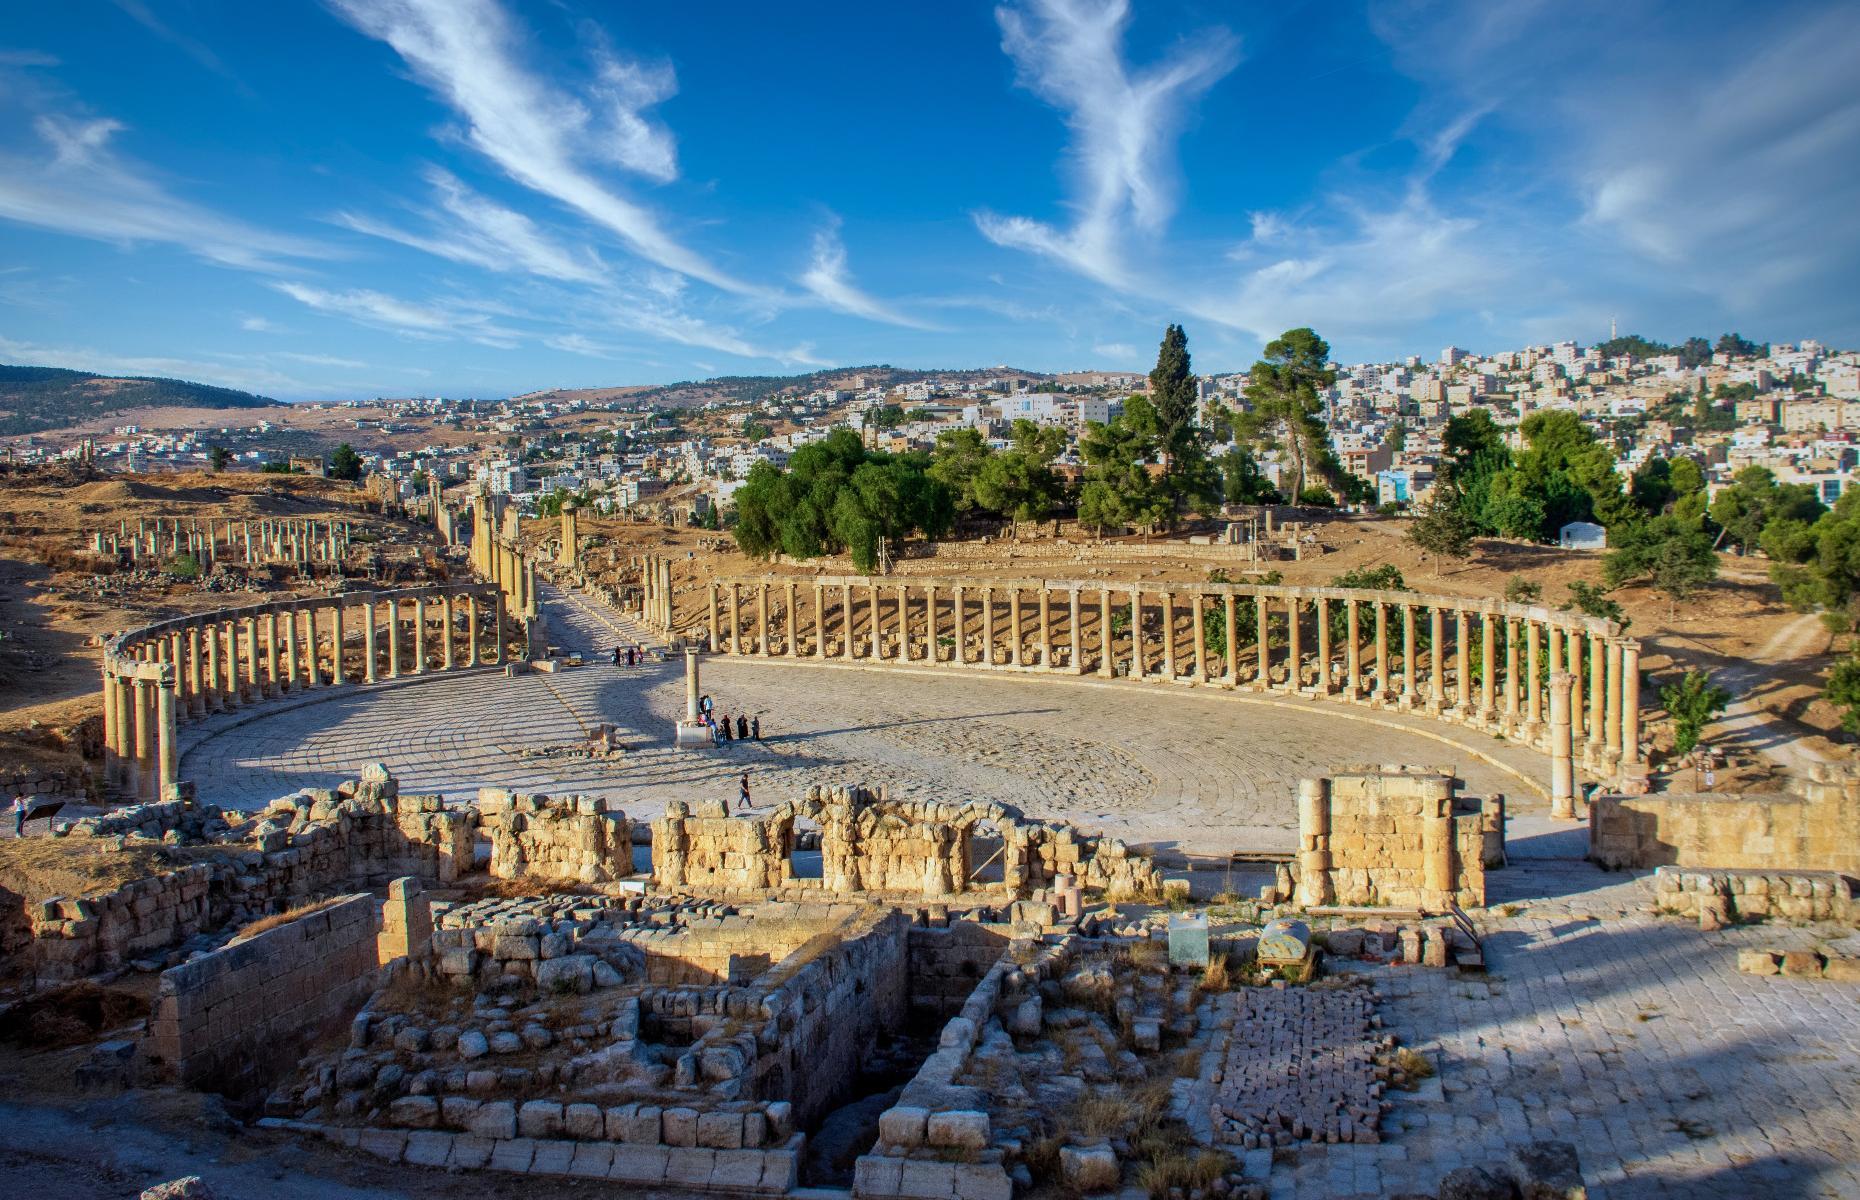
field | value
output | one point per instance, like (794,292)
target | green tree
(1519,590)
(218,457)
(1593,601)
(1843,691)
(345,463)
(1828,574)
(1473,456)
(1118,488)
(1692,703)
(1242,482)
(1677,559)
(756,431)
(1284,387)
(1172,389)
(959,457)
(835,494)
(1755,502)
(1443,529)
(184,566)
(1019,482)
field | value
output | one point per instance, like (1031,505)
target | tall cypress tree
(1172,387)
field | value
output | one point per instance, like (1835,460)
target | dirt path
(1746,721)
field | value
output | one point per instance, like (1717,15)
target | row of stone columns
(496,556)
(191,667)
(1485,664)
(272,539)
(655,573)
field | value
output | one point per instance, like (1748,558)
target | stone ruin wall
(1395,837)
(1815,826)
(579,839)
(1723,896)
(227,1018)
(871,844)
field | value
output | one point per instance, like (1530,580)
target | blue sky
(480,197)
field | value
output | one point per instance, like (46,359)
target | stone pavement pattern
(1204,770)
(1635,1039)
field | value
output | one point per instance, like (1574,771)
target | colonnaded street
(1208,770)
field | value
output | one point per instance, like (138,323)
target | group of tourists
(745,728)
(632,655)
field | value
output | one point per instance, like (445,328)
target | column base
(691,735)
(1632,779)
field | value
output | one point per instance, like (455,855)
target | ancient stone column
(794,622)
(716,640)
(846,621)
(736,618)
(1107,649)
(1196,609)
(1075,633)
(1314,858)
(368,640)
(565,557)
(933,653)
(1382,651)
(196,697)
(1598,691)
(904,623)
(1437,845)
(1436,653)
(1232,665)
(336,676)
(1138,668)
(960,620)
(1576,709)
(1562,771)
(1534,703)
(820,621)
(419,634)
(871,608)
(497,627)
(1321,609)
(1462,665)
(165,732)
(1630,704)
(762,619)
(988,626)
(1046,628)
(1294,658)
(146,784)
(393,637)
(1168,636)
(1261,647)
(1488,667)
(1353,656)
(249,626)
(446,631)
(127,770)
(1409,690)
(230,661)
(112,727)
(1553,646)
(290,649)
(1612,731)
(1014,646)
(691,685)
(471,629)
(274,686)
(1511,671)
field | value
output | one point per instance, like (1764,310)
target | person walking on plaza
(21,806)
(755,728)
(742,728)
(617,654)
(742,796)
(723,723)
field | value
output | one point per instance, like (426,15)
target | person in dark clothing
(742,796)
(755,728)
(723,723)
(629,656)
(617,656)
(742,728)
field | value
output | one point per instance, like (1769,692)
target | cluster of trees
(837,495)
(1693,352)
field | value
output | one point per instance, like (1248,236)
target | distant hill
(742,388)
(33,399)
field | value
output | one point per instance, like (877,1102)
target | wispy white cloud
(255,324)
(482,233)
(194,48)
(827,277)
(27,58)
(1123,121)
(247,375)
(408,318)
(78,184)
(542,137)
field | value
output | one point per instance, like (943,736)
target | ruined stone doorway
(805,860)
(984,854)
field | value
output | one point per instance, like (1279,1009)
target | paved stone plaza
(1207,770)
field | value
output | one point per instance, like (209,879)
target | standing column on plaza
(1168,635)
(1261,647)
(1410,689)
(794,622)
(1015,658)
(471,629)
(368,639)
(274,686)
(716,626)
(419,634)
(846,622)
(1436,657)
(1533,692)
(230,661)
(820,621)
(127,770)
(393,637)
(1321,607)
(1598,694)
(497,627)
(1075,633)
(988,626)
(1630,704)
(1138,668)
(1381,691)
(1314,860)
(112,728)
(290,649)
(165,731)
(196,697)
(1611,733)
(1232,655)
(336,677)
(1562,771)
(445,631)
(1553,646)
(691,732)
(1488,667)
(1196,608)
(762,620)
(1353,654)
(1107,647)
(878,628)
(1295,656)
(736,618)
(1575,684)
(932,628)
(1462,664)
(147,786)
(565,557)
(1046,627)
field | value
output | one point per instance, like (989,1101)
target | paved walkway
(1199,769)
(1635,1039)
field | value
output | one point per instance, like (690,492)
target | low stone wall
(1724,896)
(947,963)
(72,937)
(48,783)
(1399,837)
(226,1018)
(576,838)
(1814,826)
